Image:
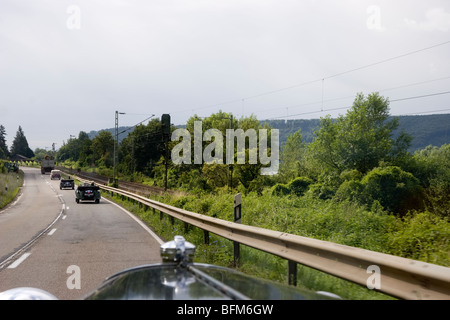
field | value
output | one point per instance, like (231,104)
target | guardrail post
(237,219)
(292,273)
(206,236)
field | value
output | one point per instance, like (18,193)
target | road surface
(48,241)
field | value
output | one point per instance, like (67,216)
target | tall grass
(10,183)
(345,223)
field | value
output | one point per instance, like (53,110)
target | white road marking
(143,225)
(52,231)
(19,261)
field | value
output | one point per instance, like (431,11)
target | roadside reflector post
(237,219)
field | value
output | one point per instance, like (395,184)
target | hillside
(425,129)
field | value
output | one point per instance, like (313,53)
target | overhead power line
(341,108)
(352,96)
(136,124)
(324,78)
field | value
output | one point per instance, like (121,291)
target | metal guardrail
(395,276)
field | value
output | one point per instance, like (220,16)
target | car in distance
(67,183)
(55,174)
(87,192)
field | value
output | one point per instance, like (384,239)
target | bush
(396,190)
(422,236)
(321,191)
(299,185)
(280,190)
(351,190)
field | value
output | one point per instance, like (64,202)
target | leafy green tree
(4,152)
(20,145)
(141,150)
(85,152)
(75,149)
(40,154)
(220,122)
(102,148)
(433,168)
(360,140)
(292,157)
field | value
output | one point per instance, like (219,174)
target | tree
(141,150)
(232,146)
(85,151)
(360,140)
(102,148)
(433,168)
(4,152)
(20,145)
(292,157)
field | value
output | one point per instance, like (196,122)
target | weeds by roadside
(10,183)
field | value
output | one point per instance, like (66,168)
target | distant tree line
(138,152)
(19,145)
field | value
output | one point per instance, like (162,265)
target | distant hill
(425,129)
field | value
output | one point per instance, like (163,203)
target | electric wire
(341,108)
(352,96)
(325,78)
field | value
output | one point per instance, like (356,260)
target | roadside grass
(219,251)
(10,183)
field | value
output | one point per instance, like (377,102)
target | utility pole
(165,122)
(230,166)
(116,146)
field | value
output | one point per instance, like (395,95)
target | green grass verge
(219,251)
(10,184)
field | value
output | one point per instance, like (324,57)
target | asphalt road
(48,241)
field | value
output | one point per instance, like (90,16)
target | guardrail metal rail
(398,277)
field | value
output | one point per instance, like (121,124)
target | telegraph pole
(116,146)
(165,122)
(230,166)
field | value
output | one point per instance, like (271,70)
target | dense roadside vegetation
(10,183)
(355,184)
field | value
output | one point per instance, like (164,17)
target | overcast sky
(67,66)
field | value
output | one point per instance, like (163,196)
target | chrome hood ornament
(178,250)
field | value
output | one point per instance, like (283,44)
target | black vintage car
(87,192)
(67,183)
(179,278)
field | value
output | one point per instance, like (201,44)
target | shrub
(396,190)
(299,185)
(422,236)
(351,190)
(280,190)
(321,191)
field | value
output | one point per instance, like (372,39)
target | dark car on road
(67,183)
(87,192)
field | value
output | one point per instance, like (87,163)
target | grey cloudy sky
(67,65)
